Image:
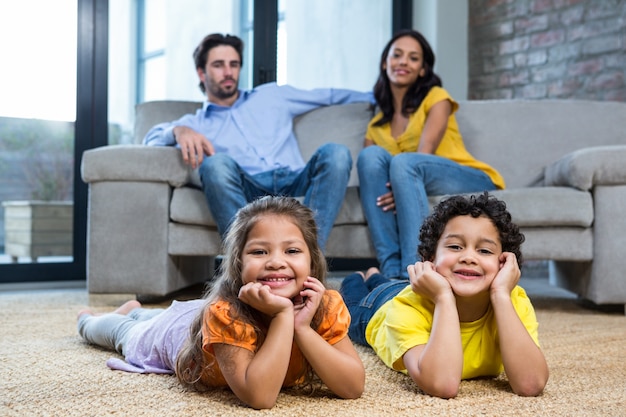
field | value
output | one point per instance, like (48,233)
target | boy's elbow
(443,389)
(531,387)
(446,392)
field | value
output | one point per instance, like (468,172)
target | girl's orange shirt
(219,327)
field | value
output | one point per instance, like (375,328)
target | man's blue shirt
(257,130)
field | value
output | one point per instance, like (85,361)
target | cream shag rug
(46,370)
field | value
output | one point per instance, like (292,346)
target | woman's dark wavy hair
(475,205)
(190,363)
(201,53)
(416,93)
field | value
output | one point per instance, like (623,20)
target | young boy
(463,314)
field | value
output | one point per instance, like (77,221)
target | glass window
(37,115)
(329,43)
(322,43)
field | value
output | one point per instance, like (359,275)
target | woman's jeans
(364,298)
(322,182)
(112,330)
(413,177)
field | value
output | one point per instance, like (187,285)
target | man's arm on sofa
(587,167)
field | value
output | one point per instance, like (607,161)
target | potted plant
(41,222)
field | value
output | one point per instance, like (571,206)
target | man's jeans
(413,177)
(364,298)
(322,182)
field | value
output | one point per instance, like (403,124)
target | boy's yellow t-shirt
(451,146)
(406,320)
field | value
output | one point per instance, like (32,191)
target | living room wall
(547,49)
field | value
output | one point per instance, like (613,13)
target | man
(242,142)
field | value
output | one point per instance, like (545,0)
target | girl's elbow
(353,392)
(261,404)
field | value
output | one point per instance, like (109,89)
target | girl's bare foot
(124,309)
(371,271)
(127,307)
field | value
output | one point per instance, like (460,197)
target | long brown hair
(190,364)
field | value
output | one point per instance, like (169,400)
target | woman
(413,149)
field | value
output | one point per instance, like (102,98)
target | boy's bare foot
(371,271)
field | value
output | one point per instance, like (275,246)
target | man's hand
(193,145)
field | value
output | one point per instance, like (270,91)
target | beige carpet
(46,370)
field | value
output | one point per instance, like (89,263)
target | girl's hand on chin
(311,297)
(260,297)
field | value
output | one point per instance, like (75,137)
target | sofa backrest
(152,113)
(520,137)
(517,137)
(342,123)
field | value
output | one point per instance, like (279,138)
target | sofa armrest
(135,163)
(588,167)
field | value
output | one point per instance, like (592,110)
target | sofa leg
(571,276)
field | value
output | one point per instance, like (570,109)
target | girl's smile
(276,255)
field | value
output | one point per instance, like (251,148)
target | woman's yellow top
(451,145)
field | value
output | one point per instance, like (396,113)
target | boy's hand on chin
(426,281)
(507,278)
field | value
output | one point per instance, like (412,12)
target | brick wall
(540,49)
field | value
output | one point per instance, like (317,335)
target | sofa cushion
(548,206)
(343,123)
(188,206)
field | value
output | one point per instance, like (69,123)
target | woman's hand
(386,201)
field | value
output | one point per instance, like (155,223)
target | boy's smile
(468,254)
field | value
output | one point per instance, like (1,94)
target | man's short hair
(201,53)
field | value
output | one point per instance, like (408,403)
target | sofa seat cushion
(548,206)
(188,206)
(569,207)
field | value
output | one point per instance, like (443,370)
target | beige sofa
(150,231)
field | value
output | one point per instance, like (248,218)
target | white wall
(334,43)
(444,24)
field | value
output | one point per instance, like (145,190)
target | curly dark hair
(475,206)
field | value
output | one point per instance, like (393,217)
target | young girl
(268,322)
(462,315)
(413,149)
